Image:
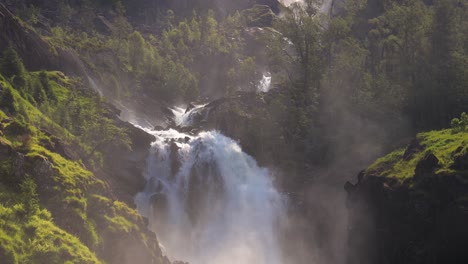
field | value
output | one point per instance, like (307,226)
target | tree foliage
(11,64)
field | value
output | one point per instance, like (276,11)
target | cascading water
(185,117)
(289,2)
(265,83)
(208,202)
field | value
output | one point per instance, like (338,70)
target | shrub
(31,200)
(7,101)
(12,65)
(459,124)
(45,82)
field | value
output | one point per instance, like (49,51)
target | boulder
(426,165)
(174,157)
(189,107)
(460,159)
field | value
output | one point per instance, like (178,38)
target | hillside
(412,203)
(53,207)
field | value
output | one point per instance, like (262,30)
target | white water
(95,86)
(217,207)
(325,5)
(265,83)
(185,118)
(289,2)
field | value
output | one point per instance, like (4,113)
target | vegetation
(386,64)
(389,64)
(45,195)
(170,66)
(443,144)
(459,124)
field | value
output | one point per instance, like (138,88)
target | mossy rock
(447,147)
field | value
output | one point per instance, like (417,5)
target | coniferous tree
(11,64)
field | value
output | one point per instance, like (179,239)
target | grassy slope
(443,144)
(72,217)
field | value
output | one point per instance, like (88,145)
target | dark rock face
(246,117)
(124,169)
(174,157)
(35,52)
(422,220)
(189,107)
(11,31)
(204,178)
(223,115)
(426,165)
(460,161)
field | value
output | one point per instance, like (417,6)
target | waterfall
(325,5)
(289,2)
(209,202)
(184,117)
(94,85)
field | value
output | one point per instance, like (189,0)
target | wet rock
(174,157)
(189,107)
(167,112)
(127,166)
(171,124)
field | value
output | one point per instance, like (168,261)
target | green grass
(441,143)
(36,239)
(66,216)
(33,115)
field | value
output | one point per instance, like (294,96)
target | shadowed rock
(426,165)
(413,148)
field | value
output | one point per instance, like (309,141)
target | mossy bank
(411,205)
(59,198)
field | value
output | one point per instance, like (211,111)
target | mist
(224,132)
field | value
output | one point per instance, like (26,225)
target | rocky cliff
(411,205)
(35,51)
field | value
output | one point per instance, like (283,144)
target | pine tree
(11,64)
